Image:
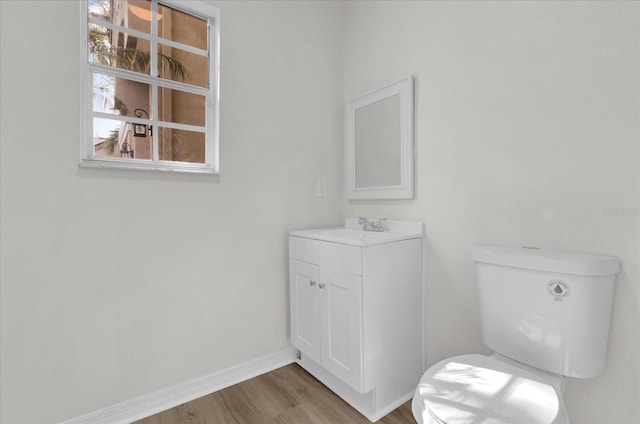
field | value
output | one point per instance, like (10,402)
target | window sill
(145,165)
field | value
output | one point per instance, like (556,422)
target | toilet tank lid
(546,260)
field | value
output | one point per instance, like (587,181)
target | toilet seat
(484,389)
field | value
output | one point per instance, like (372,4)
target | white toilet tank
(546,308)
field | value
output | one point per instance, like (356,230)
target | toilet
(545,314)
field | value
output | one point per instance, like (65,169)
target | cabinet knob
(312,283)
(321,285)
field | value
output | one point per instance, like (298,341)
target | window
(150,85)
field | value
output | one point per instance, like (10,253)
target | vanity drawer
(336,256)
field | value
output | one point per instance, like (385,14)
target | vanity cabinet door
(305,309)
(341,316)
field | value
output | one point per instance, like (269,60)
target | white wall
(527,128)
(119,283)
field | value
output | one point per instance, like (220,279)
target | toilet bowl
(489,390)
(546,316)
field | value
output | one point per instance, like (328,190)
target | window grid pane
(124,47)
(114,139)
(120,96)
(192,30)
(181,146)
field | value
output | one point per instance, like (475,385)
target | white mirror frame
(405,190)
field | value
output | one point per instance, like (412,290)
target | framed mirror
(380,145)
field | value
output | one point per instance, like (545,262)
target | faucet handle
(378,224)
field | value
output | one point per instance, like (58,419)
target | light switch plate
(321,187)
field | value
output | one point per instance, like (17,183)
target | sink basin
(356,237)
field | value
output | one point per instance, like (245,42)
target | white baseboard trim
(169,397)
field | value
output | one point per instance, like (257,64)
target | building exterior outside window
(150,86)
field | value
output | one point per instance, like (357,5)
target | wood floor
(288,395)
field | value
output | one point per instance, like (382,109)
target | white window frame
(212,115)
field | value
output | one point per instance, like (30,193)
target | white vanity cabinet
(326,306)
(356,311)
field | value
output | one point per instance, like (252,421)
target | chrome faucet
(371,225)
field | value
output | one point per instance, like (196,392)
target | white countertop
(353,234)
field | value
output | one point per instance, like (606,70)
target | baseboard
(161,400)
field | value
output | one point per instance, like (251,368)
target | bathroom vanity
(356,311)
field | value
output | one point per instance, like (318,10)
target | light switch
(321,187)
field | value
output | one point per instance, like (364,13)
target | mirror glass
(379,145)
